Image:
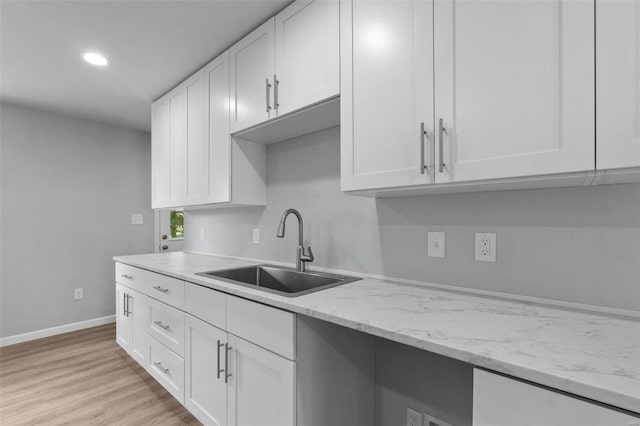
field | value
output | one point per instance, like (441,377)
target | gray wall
(572,244)
(68,189)
(428,383)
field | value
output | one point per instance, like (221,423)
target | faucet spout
(301,256)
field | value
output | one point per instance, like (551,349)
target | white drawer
(130,276)
(168,369)
(166,289)
(271,328)
(207,304)
(166,325)
(499,400)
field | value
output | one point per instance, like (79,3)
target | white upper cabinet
(194,159)
(160,153)
(466,91)
(307,54)
(514,87)
(214,158)
(197,141)
(252,72)
(387,94)
(618,83)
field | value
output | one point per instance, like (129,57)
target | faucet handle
(308,256)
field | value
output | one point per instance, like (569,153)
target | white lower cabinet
(124,321)
(205,387)
(131,323)
(501,401)
(261,386)
(231,361)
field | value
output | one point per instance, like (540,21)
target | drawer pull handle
(219,369)
(129,277)
(161,325)
(164,290)
(161,368)
(227,348)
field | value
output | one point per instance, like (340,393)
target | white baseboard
(38,334)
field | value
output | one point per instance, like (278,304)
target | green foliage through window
(176,223)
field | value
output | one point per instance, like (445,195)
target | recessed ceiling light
(95,59)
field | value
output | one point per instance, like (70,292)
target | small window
(176,223)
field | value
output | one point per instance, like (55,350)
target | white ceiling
(152,45)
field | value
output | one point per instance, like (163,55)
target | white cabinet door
(500,401)
(197,166)
(252,71)
(216,159)
(139,310)
(386,93)
(178,132)
(160,153)
(205,387)
(261,386)
(124,320)
(618,83)
(307,53)
(514,86)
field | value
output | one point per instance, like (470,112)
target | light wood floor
(81,378)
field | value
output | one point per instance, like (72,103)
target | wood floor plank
(81,378)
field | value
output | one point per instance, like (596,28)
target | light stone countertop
(587,354)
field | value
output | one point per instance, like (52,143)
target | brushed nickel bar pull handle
(161,368)
(423,134)
(161,325)
(227,348)
(124,304)
(128,306)
(275,92)
(164,290)
(129,277)
(268,87)
(441,164)
(219,346)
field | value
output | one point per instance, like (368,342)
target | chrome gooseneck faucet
(301,257)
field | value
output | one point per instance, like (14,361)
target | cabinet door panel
(178,147)
(205,393)
(140,311)
(197,167)
(252,63)
(124,325)
(307,53)
(618,83)
(514,86)
(160,154)
(218,154)
(387,92)
(261,388)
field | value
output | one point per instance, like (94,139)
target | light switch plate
(137,219)
(256,236)
(436,244)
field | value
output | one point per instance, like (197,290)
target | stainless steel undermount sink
(279,280)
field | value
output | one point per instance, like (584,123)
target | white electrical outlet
(486,247)
(137,219)
(414,418)
(256,236)
(78,294)
(435,244)
(428,420)
(203,232)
